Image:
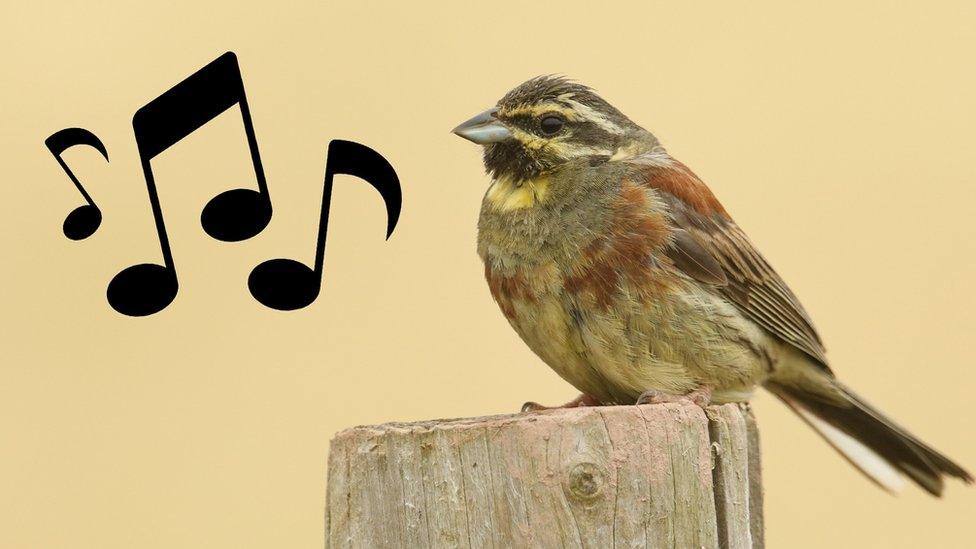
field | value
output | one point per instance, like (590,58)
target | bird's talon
(532,407)
(651,396)
(701,397)
(582,400)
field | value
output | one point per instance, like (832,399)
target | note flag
(233,215)
(84,220)
(286,284)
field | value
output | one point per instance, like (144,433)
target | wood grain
(667,475)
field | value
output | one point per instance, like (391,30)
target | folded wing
(709,247)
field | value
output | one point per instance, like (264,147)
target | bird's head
(547,123)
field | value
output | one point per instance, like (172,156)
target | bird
(623,272)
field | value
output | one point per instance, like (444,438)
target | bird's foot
(582,400)
(701,396)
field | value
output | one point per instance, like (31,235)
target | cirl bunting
(618,266)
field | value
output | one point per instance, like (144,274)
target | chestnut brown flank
(624,252)
(507,289)
(682,183)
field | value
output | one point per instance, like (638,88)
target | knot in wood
(585,481)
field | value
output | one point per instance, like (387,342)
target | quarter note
(84,220)
(233,215)
(286,284)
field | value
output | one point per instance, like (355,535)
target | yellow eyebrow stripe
(536,110)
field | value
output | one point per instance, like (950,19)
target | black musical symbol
(84,220)
(286,284)
(233,215)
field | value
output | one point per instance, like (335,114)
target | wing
(709,247)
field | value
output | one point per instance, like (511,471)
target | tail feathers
(881,449)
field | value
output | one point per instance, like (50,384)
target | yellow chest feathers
(506,195)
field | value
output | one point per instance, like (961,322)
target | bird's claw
(532,407)
(701,396)
(582,400)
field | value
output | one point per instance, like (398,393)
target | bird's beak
(483,129)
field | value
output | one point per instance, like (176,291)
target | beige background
(840,136)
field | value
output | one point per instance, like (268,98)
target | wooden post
(668,475)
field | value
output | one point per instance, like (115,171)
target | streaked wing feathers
(710,248)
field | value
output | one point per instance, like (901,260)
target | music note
(84,220)
(233,215)
(286,284)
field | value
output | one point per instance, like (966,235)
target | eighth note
(84,220)
(237,214)
(286,284)
(233,215)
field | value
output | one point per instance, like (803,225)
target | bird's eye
(551,124)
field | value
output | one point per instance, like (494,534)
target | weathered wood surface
(668,475)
